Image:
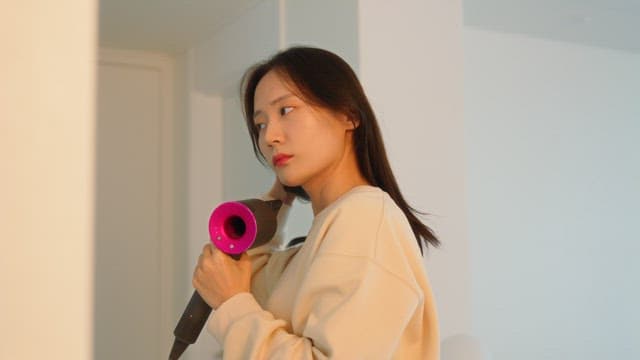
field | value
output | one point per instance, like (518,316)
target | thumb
(244,260)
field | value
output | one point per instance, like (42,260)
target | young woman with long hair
(356,288)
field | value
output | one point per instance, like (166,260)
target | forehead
(270,87)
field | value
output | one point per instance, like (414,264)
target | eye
(285,110)
(259,126)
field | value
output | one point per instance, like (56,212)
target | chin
(289,180)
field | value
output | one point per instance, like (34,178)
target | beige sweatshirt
(356,289)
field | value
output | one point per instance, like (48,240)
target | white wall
(552,135)
(220,61)
(46,187)
(329,24)
(410,64)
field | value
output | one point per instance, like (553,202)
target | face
(304,144)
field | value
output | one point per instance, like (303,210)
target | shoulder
(363,203)
(368,225)
(353,213)
(359,221)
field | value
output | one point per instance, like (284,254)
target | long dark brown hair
(327,81)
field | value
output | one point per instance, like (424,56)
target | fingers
(213,256)
(208,248)
(209,251)
(244,257)
(206,253)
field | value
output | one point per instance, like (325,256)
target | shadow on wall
(462,347)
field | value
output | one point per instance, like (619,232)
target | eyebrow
(280,98)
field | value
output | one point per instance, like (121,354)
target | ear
(351,122)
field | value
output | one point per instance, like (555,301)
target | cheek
(327,138)
(263,148)
(322,148)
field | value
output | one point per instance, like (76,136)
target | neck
(324,191)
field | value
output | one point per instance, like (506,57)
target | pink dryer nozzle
(232,227)
(237,226)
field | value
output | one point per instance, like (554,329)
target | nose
(273,133)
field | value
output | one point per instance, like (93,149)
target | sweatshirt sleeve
(267,261)
(354,309)
(260,255)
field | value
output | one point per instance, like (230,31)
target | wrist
(278,193)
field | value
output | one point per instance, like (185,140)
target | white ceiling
(604,23)
(164,25)
(175,25)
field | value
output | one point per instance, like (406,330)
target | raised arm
(357,311)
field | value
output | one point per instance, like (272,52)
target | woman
(356,288)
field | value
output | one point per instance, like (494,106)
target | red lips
(281,159)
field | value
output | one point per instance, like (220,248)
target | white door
(133,261)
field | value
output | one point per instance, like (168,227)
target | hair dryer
(234,227)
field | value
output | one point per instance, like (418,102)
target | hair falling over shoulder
(324,79)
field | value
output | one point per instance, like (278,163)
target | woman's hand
(218,277)
(278,192)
